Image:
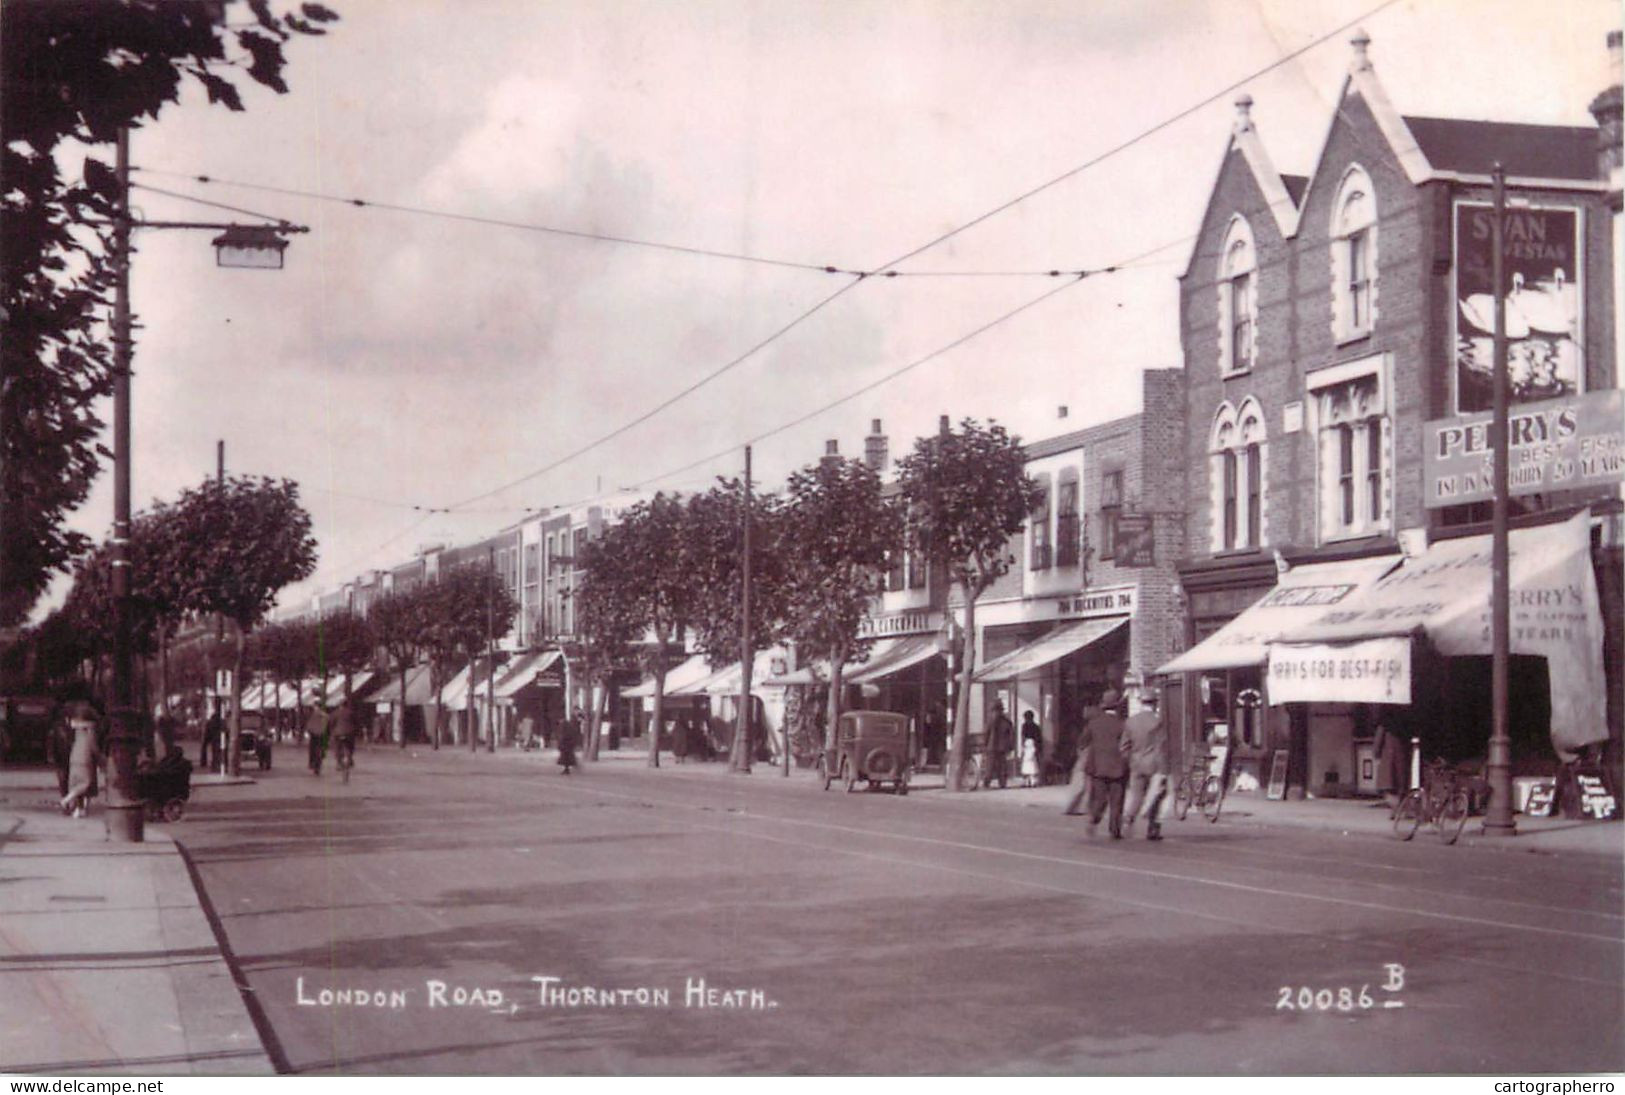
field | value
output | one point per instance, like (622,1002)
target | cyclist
(344,737)
(316,736)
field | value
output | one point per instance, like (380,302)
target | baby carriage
(165,787)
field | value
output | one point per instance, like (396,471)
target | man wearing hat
(1102,747)
(1146,740)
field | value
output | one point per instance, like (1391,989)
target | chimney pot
(1362,45)
(1061,411)
(831,448)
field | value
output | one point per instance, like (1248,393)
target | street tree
(608,620)
(967,492)
(74,74)
(397,627)
(714,546)
(344,646)
(642,563)
(246,539)
(839,532)
(456,613)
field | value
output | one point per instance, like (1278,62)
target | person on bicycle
(316,736)
(344,730)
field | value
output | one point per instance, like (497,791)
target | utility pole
(490,658)
(1498,821)
(742,742)
(125,816)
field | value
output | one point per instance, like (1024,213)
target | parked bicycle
(1441,802)
(1200,788)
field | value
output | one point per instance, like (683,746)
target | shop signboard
(1136,540)
(1372,671)
(1097,602)
(1540,273)
(1557,444)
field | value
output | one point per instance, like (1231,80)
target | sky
(407,362)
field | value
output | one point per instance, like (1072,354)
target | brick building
(1326,320)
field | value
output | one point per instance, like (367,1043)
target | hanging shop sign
(1135,541)
(1374,671)
(1540,271)
(1556,444)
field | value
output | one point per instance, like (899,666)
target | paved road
(870,933)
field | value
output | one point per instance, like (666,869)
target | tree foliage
(76,72)
(840,529)
(967,492)
(456,613)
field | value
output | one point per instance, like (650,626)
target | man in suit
(1102,746)
(1146,740)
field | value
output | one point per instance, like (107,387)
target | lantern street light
(251,246)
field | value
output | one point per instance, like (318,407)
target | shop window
(1355,465)
(1068,534)
(1354,257)
(1238,299)
(1038,527)
(1111,508)
(894,570)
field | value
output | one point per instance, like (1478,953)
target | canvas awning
(1444,593)
(335,686)
(417,687)
(456,692)
(1302,594)
(1047,648)
(525,671)
(890,656)
(727,682)
(696,668)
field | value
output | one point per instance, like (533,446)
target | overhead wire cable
(207,202)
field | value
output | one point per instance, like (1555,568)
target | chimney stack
(942,425)
(875,450)
(1606,108)
(832,454)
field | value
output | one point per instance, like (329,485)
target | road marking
(1269,891)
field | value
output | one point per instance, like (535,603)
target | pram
(165,787)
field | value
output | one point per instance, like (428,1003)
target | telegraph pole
(125,816)
(742,742)
(1498,821)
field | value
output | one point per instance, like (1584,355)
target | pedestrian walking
(1103,742)
(1145,739)
(343,732)
(316,736)
(83,760)
(569,742)
(59,747)
(1001,740)
(214,736)
(680,734)
(1082,770)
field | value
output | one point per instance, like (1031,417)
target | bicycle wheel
(1182,798)
(1408,815)
(1212,797)
(1452,817)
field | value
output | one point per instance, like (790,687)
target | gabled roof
(1530,151)
(1295,186)
(1281,197)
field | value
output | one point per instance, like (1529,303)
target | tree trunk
(967,667)
(837,673)
(438,685)
(659,713)
(595,733)
(234,755)
(163,670)
(400,709)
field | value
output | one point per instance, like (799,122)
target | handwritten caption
(551,993)
(1344,998)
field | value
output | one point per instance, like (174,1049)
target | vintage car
(871,748)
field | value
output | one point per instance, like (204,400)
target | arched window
(1238,298)
(1238,451)
(1354,257)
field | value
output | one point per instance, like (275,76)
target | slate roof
(1529,151)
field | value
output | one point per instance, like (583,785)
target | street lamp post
(125,810)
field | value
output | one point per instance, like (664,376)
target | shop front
(1411,651)
(1236,710)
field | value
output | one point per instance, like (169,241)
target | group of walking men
(1123,757)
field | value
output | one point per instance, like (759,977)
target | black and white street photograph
(755,539)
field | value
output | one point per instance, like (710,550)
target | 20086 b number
(1308,999)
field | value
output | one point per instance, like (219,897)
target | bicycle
(1200,788)
(974,771)
(1441,801)
(344,757)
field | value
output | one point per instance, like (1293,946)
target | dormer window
(1238,300)
(1354,258)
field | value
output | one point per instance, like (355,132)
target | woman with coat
(569,739)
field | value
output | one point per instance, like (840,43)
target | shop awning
(455,694)
(335,686)
(890,656)
(525,671)
(812,673)
(694,670)
(727,682)
(1047,648)
(1444,593)
(417,687)
(1303,593)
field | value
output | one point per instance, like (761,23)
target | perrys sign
(1557,444)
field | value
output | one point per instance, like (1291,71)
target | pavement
(91,926)
(109,962)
